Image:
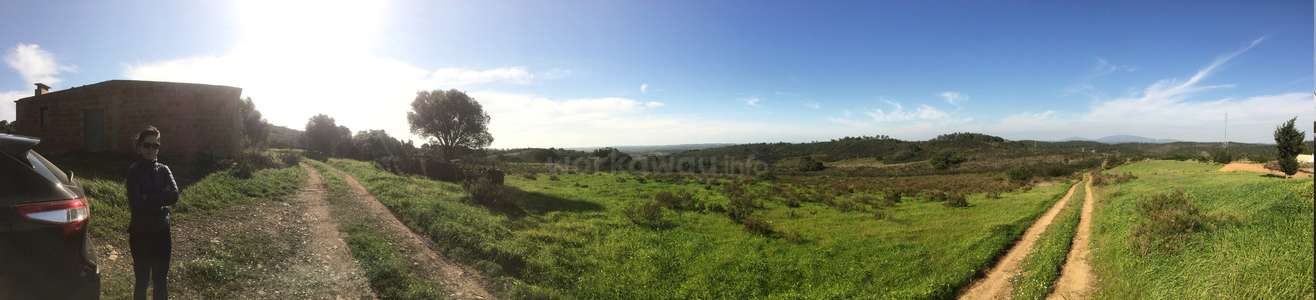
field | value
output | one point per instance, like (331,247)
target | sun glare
(303,27)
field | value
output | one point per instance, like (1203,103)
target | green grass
(571,239)
(220,190)
(1041,268)
(1257,243)
(390,273)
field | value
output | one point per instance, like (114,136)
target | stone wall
(193,118)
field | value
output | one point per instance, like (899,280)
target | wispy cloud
(468,77)
(1104,67)
(35,64)
(1169,108)
(644,88)
(752,101)
(953,97)
(812,104)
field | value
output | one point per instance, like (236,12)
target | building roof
(121,82)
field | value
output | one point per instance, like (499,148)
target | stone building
(105,117)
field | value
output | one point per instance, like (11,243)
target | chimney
(42,89)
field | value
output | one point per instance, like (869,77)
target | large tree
(323,135)
(453,119)
(255,129)
(1289,140)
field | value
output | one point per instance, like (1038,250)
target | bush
(290,158)
(993,195)
(553,177)
(739,203)
(248,162)
(679,200)
(530,176)
(757,226)
(946,159)
(482,191)
(646,213)
(1168,220)
(957,200)
(1019,174)
(1105,179)
(891,199)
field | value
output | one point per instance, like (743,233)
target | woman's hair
(149,131)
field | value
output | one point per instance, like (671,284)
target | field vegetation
(619,235)
(1182,230)
(1040,269)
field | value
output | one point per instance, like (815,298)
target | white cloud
(812,104)
(1104,67)
(532,120)
(1168,109)
(752,101)
(36,65)
(921,122)
(953,97)
(644,88)
(7,110)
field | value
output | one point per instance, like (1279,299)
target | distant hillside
(656,149)
(284,137)
(1121,139)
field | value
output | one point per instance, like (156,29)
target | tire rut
(1076,278)
(459,281)
(996,284)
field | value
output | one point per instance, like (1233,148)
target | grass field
(1041,268)
(1251,235)
(570,237)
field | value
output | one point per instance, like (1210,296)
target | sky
(597,73)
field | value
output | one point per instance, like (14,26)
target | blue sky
(587,73)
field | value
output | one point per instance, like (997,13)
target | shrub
(530,176)
(248,162)
(482,191)
(1019,174)
(891,199)
(739,203)
(290,158)
(646,213)
(1167,221)
(879,214)
(679,200)
(553,177)
(1105,179)
(1222,156)
(956,200)
(946,159)
(993,195)
(757,226)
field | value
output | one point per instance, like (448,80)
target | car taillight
(72,213)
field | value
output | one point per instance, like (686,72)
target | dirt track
(459,281)
(996,284)
(1076,278)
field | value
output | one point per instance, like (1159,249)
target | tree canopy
(451,118)
(1289,140)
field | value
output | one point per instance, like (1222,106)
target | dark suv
(45,249)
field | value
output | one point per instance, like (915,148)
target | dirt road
(1259,168)
(996,285)
(460,281)
(1076,278)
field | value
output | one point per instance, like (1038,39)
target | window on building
(45,117)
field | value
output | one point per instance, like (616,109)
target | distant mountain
(1121,139)
(1124,138)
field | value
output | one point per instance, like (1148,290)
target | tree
(453,119)
(323,135)
(255,129)
(8,127)
(1289,140)
(946,159)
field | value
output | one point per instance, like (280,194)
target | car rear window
(45,168)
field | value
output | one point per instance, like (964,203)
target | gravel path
(996,284)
